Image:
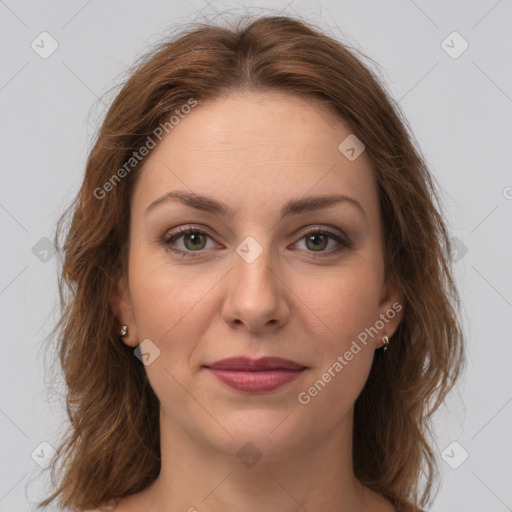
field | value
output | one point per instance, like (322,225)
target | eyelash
(168,239)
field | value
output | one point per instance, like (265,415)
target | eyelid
(343,242)
(319,228)
(334,233)
(176,234)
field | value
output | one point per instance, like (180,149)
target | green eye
(194,241)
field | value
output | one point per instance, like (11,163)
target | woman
(262,312)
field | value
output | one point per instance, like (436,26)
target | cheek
(342,309)
(341,304)
(169,308)
(167,297)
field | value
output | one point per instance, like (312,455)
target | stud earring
(124,331)
(385,343)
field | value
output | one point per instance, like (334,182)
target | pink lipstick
(256,375)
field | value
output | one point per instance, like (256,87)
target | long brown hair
(112,447)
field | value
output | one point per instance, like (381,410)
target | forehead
(262,148)
(263,125)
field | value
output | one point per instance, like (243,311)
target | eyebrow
(292,207)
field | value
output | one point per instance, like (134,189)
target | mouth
(256,375)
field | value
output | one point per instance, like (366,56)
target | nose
(255,295)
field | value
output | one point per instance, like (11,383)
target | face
(250,281)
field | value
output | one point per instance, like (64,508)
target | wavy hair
(112,446)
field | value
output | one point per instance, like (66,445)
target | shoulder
(376,502)
(106,507)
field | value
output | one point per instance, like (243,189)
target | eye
(316,240)
(193,240)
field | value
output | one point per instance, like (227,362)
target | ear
(122,307)
(391,308)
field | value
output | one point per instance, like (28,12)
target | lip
(256,375)
(248,364)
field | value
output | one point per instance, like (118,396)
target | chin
(261,435)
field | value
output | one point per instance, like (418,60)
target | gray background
(460,110)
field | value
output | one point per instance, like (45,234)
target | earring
(124,331)
(385,343)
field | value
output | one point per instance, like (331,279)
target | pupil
(315,238)
(193,236)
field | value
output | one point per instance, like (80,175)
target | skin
(255,151)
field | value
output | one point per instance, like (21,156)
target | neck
(314,475)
